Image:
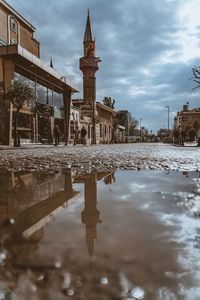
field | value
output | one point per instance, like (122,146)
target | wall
(23,35)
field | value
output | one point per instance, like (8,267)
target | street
(102,157)
(100,222)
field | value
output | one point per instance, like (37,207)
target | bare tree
(108,101)
(18,94)
(196,76)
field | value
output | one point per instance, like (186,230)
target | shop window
(41,93)
(105,130)
(57,100)
(72,127)
(109,131)
(73,116)
(13,25)
(100,130)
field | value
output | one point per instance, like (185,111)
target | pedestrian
(76,136)
(83,135)
(56,132)
(192,135)
(183,137)
(176,136)
(198,137)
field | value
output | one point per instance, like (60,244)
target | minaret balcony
(89,62)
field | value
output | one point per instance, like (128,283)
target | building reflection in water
(32,200)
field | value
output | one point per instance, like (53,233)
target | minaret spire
(88,30)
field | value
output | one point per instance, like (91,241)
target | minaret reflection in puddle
(91,215)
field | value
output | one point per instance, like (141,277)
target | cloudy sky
(147,47)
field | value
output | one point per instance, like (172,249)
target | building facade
(187,119)
(20,62)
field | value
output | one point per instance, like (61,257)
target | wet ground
(104,235)
(102,157)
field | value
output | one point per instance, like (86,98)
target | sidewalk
(32,146)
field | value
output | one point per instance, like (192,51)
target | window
(13,25)
(100,130)
(184,119)
(2,42)
(13,42)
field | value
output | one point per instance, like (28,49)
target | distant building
(187,119)
(20,61)
(125,119)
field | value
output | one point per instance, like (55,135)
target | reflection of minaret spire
(91,215)
(88,31)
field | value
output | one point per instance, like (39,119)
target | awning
(32,65)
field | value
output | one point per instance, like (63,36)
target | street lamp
(167,106)
(94,123)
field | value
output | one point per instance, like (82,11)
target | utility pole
(167,106)
(140,129)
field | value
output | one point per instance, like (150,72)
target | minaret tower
(89,66)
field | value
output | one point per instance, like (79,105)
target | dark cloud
(134,39)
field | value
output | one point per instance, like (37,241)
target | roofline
(18,50)
(78,100)
(122,110)
(106,107)
(193,111)
(10,8)
(75,107)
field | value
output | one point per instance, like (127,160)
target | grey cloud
(131,35)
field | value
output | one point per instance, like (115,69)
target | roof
(105,107)
(192,111)
(25,59)
(16,14)
(78,101)
(122,111)
(121,127)
(75,108)
(98,104)
(195,110)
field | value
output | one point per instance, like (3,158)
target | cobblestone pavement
(102,157)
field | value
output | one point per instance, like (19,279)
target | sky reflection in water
(125,234)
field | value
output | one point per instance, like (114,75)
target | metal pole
(94,125)
(36,113)
(167,118)
(140,128)
(93,110)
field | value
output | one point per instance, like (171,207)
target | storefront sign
(44,109)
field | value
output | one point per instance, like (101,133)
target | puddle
(110,235)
